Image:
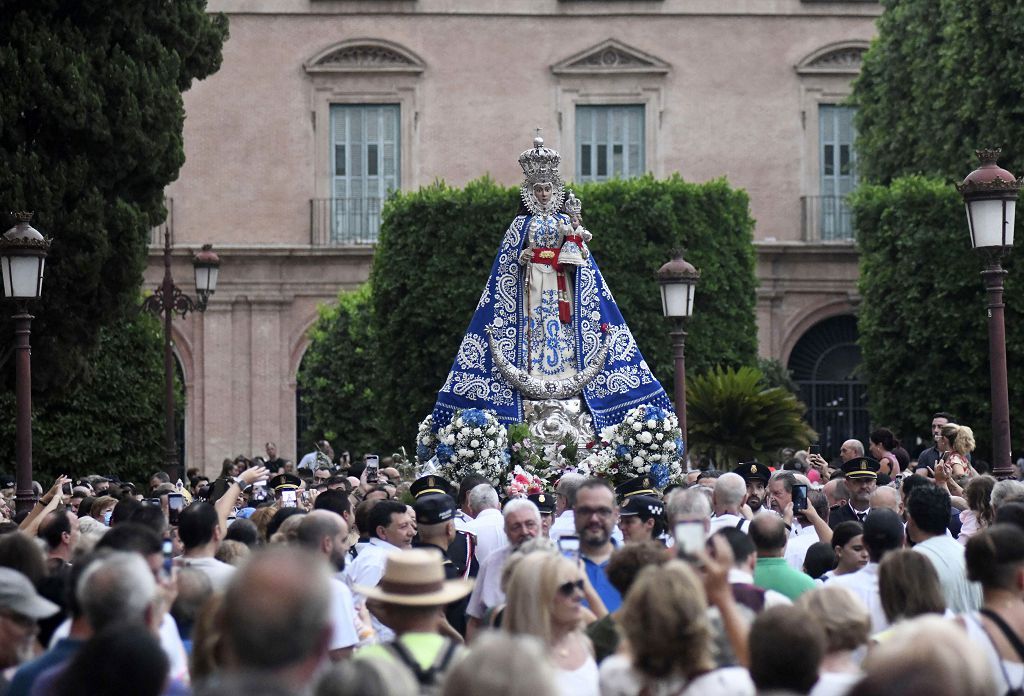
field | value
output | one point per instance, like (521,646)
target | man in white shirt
(200,534)
(326,533)
(391,530)
(928,510)
(522,523)
(309,460)
(726,500)
(488,525)
(883,532)
(564,523)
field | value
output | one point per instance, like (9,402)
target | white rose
(474,443)
(490,430)
(631,420)
(477,431)
(638,427)
(464,431)
(632,442)
(652,423)
(666,426)
(669,446)
(655,457)
(449,440)
(647,469)
(458,421)
(644,437)
(659,437)
(485,453)
(638,462)
(465,453)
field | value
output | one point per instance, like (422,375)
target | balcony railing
(826,218)
(156,234)
(344,221)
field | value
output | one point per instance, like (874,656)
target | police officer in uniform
(642,518)
(641,485)
(545,502)
(756,475)
(435,515)
(462,549)
(861,475)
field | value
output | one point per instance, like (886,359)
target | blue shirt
(25,677)
(599,579)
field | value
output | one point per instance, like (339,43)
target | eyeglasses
(568,588)
(603,513)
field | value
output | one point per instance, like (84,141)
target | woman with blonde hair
(664,619)
(545,600)
(847,624)
(955,443)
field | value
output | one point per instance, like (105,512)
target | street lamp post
(22,258)
(166,301)
(678,279)
(990,197)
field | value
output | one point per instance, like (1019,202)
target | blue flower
(474,418)
(655,413)
(445,453)
(680,447)
(622,451)
(422,452)
(659,475)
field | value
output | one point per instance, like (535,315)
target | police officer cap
(545,502)
(434,508)
(430,485)
(861,468)
(753,471)
(285,482)
(643,506)
(641,485)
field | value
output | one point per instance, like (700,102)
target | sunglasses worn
(569,588)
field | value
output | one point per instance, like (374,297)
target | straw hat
(415,578)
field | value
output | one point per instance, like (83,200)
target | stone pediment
(365,56)
(611,57)
(835,59)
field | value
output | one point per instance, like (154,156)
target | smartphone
(259,492)
(814,449)
(799,497)
(307,497)
(569,546)
(372,468)
(168,551)
(288,499)
(175,504)
(66,489)
(689,536)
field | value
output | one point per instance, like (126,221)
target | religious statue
(547,329)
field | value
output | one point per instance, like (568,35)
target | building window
(609,142)
(364,168)
(838,168)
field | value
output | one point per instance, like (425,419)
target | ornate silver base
(551,420)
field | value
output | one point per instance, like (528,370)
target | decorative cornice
(611,57)
(842,58)
(365,56)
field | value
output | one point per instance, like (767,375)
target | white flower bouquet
(647,442)
(474,442)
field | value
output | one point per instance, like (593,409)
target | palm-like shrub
(733,416)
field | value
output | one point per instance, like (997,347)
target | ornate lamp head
(540,166)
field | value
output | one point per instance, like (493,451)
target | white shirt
(618,678)
(219,572)
(864,584)
(582,681)
(366,571)
(308,461)
(489,529)
(563,525)
(487,592)
(342,616)
(796,547)
(948,558)
(729,520)
(835,683)
(463,522)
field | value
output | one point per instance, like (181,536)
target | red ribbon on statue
(549,257)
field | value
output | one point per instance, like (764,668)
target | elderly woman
(847,623)
(664,619)
(545,600)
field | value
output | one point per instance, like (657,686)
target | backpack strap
(425,677)
(1009,633)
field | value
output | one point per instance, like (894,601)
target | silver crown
(540,164)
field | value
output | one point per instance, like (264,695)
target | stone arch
(807,320)
(840,58)
(365,55)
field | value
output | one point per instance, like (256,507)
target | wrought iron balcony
(344,221)
(826,219)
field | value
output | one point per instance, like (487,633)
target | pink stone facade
(730,88)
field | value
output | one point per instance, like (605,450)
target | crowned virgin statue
(546,331)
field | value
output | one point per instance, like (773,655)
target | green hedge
(437,246)
(111,420)
(922,323)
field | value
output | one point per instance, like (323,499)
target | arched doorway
(825,364)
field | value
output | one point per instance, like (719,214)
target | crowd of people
(872,575)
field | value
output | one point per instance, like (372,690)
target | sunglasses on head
(569,588)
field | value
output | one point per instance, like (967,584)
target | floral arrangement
(647,442)
(426,440)
(522,483)
(547,461)
(474,442)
